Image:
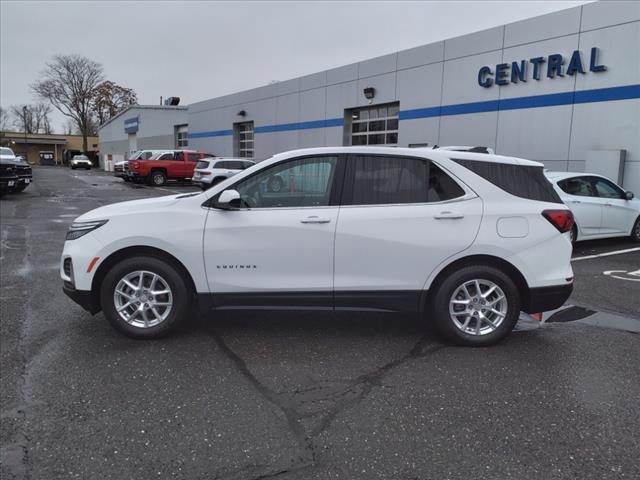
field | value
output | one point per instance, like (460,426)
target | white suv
(211,171)
(466,239)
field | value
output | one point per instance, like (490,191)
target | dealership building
(142,127)
(562,88)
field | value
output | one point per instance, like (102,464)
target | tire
(157,178)
(473,335)
(169,277)
(275,184)
(573,236)
(73,168)
(19,189)
(635,232)
(125,179)
(216,181)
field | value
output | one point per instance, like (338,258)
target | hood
(129,208)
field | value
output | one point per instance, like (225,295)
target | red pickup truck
(170,164)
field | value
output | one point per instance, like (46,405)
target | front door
(617,214)
(584,203)
(401,217)
(277,249)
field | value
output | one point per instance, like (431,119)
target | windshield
(6,151)
(80,157)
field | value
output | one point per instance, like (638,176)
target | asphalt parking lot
(301,396)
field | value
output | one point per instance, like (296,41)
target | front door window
(305,182)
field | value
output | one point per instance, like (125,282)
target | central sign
(131,125)
(515,72)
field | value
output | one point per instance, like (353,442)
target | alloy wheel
(478,307)
(143,299)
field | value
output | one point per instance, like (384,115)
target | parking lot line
(606,254)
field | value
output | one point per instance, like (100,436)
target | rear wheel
(217,180)
(157,178)
(476,306)
(145,297)
(635,233)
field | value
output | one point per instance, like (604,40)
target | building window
(372,125)
(182,136)
(243,139)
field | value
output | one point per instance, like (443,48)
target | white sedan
(601,208)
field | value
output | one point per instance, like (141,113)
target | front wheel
(145,297)
(19,189)
(635,233)
(476,306)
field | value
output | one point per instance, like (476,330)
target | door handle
(575,201)
(315,219)
(448,216)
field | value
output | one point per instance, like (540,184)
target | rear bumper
(542,299)
(84,298)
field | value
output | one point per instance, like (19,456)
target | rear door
(400,217)
(587,208)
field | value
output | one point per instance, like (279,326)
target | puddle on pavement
(573,313)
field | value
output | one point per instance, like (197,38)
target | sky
(201,50)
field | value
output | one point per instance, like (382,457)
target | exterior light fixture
(369,93)
(242,113)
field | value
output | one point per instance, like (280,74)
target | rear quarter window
(521,181)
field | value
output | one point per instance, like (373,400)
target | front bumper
(7,183)
(543,299)
(83,298)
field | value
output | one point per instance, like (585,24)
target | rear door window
(522,181)
(379,180)
(579,186)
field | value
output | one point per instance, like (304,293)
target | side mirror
(228,200)
(628,195)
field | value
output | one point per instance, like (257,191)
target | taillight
(205,173)
(561,219)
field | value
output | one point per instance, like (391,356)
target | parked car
(601,208)
(164,165)
(80,161)
(468,240)
(121,168)
(8,174)
(211,171)
(16,172)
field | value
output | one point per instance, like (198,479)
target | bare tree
(109,99)
(23,118)
(70,128)
(41,121)
(69,83)
(4,119)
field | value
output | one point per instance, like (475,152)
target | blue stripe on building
(537,101)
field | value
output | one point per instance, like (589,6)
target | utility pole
(24,124)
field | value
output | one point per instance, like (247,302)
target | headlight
(79,229)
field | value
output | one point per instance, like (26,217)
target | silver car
(80,161)
(210,171)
